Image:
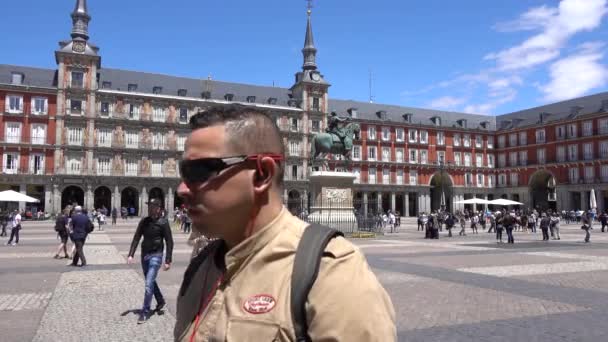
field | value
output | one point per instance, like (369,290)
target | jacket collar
(250,246)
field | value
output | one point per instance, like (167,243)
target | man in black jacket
(155,229)
(80,227)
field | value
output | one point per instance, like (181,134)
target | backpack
(90,227)
(305,271)
(60,224)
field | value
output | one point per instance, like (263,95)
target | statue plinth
(332,200)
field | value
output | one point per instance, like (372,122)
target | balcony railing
(299,128)
(23,139)
(27,171)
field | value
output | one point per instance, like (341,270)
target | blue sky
(476,56)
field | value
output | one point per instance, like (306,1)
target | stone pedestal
(332,200)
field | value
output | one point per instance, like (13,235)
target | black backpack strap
(305,270)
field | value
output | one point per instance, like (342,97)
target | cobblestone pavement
(465,288)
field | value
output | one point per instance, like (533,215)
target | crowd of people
(508,221)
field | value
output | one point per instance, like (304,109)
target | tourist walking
(15,220)
(462,226)
(3,222)
(545,222)
(80,227)
(61,227)
(499,226)
(509,224)
(449,224)
(585,220)
(474,222)
(555,226)
(420,224)
(156,232)
(604,220)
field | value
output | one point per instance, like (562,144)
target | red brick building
(27,131)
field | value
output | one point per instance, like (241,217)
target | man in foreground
(155,229)
(80,227)
(238,287)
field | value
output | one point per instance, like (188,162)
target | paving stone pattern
(453,289)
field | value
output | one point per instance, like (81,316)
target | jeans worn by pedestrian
(510,238)
(14,235)
(545,234)
(151,264)
(587,234)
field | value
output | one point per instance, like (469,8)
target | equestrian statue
(338,140)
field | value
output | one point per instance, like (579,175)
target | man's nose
(183,190)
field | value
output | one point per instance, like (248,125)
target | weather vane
(309,6)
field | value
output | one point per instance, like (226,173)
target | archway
(157,193)
(542,190)
(178,202)
(441,191)
(72,195)
(386,202)
(129,199)
(294,202)
(102,198)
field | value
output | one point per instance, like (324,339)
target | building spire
(80,21)
(309,51)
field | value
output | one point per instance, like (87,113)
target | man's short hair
(249,131)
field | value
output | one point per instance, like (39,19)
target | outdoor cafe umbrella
(474,201)
(592,200)
(13,196)
(503,201)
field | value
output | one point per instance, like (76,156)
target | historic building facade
(105,137)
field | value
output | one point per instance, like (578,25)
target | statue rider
(334,126)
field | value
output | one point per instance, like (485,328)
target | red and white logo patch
(259,304)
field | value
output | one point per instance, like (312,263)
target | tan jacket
(252,303)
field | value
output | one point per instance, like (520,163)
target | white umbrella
(592,200)
(503,201)
(475,201)
(13,196)
(443,199)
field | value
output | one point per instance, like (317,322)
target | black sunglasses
(201,170)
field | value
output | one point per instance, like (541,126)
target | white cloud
(488,107)
(575,75)
(446,102)
(557,26)
(533,19)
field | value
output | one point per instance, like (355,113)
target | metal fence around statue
(347,217)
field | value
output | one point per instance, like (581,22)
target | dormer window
(292,103)
(206,95)
(574,111)
(484,124)
(407,117)
(182,92)
(381,114)
(106,85)
(132,87)
(604,106)
(436,120)
(17,78)
(542,117)
(251,99)
(272,100)
(228,97)
(352,112)
(157,90)
(462,123)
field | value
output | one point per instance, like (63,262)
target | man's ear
(264,174)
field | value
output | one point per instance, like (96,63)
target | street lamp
(441,169)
